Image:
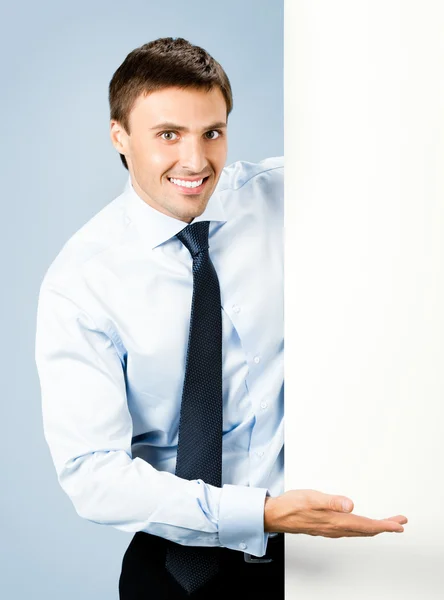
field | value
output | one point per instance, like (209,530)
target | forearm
(110,488)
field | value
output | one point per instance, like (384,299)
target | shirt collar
(156,227)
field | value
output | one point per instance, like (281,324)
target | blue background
(58,168)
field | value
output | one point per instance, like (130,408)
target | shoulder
(240,173)
(102,233)
(246,188)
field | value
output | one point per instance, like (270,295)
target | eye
(167,133)
(218,131)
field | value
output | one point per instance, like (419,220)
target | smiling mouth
(188,187)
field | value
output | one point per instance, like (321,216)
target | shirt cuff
(241,519)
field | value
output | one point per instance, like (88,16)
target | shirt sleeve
(88,428)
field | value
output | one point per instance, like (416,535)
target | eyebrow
(168,125)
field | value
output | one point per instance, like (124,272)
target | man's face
(179,134)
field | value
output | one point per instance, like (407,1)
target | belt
(273,539)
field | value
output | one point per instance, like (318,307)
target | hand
(315,513)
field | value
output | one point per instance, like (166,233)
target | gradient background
(58,168)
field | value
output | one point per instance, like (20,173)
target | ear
(119,137)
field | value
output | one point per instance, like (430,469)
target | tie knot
(195,237)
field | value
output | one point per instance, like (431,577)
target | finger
(399,519)
(364,525)
(390,525)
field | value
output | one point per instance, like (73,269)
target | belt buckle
(249,558)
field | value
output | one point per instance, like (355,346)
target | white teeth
(188,184)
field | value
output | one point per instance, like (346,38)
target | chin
(192,212)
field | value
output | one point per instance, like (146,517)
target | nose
(192,156)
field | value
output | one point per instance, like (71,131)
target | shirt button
(257,359)
(242,545)
(264,405)
(236,308)
(260,454)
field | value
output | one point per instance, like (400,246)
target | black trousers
(144,576)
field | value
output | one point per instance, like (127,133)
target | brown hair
(159,64)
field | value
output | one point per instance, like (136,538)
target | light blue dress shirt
(112,332)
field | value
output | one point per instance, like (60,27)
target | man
(160,348)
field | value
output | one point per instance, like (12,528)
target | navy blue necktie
(199,451)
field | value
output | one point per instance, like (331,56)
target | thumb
(323,501)
(339,503)
(346,505)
